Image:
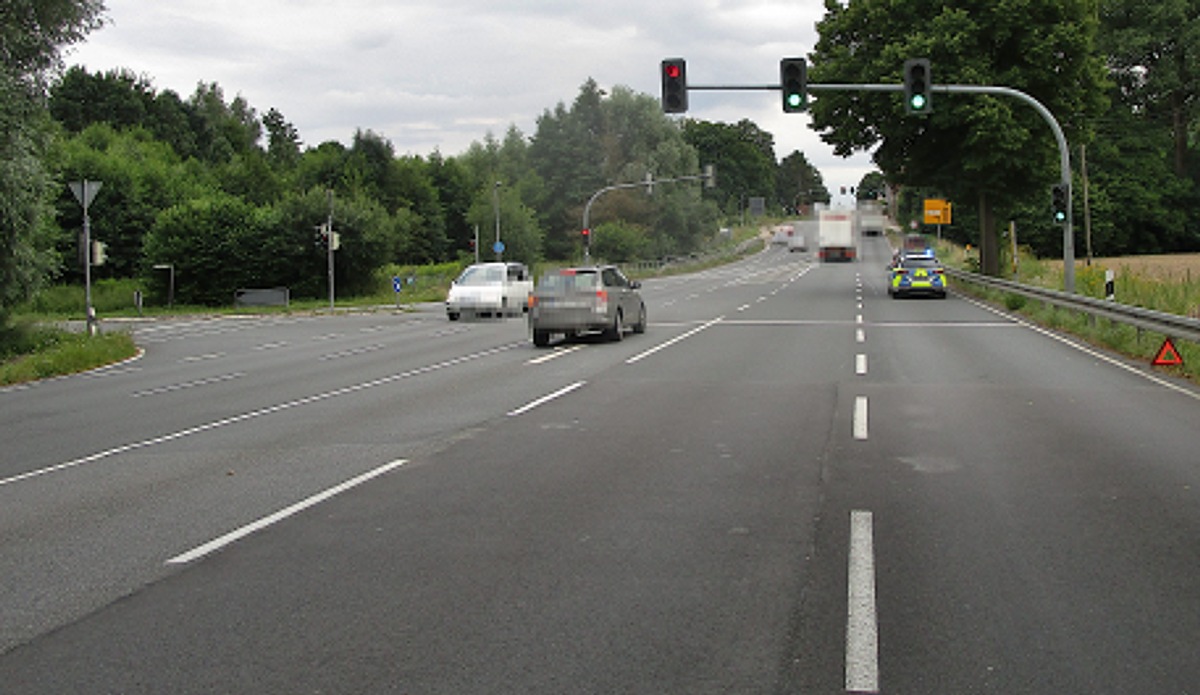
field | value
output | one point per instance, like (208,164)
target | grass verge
(39,353)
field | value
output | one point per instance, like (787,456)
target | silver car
(574,301)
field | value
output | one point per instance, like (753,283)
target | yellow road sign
(937,211)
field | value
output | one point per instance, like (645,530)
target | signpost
(85,191)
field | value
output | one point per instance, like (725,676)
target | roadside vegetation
(1166,283)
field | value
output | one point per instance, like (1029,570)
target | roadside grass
(37,352)
(1167,284)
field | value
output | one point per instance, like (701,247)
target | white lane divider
(558,352)
(218,543)
(669,343)
(860,418)
(860,365)
(862,626)
(546,399)
(255,414)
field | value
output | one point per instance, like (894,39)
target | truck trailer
(837,234)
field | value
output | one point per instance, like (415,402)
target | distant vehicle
(801,233)
(490,289)
(871,219)
(836,232)
(915,243)
(917,274)
(575,301)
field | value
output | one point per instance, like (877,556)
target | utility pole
(329,245)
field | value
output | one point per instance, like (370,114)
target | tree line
(232,199)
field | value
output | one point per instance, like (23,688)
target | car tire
(452,315)
(640,326)
(541,338)
(617,332)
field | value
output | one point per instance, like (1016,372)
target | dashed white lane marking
(641,356)
(860,336)
(860,418)
(546,399)
(860,365)
(218,543)
(559,352)
(862,627)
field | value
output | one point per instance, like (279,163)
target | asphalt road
(791,483)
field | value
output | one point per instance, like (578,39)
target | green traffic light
(918,102)
(795,100)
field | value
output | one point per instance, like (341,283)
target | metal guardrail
(1172,325)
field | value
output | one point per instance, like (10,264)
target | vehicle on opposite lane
(574,301)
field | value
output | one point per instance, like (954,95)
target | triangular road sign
(1168,356)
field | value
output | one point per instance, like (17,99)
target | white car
(490,289)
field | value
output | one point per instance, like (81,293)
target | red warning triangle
(1167,355)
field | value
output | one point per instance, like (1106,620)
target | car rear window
(570,280)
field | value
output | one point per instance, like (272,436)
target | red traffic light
(587,232)
(674,86)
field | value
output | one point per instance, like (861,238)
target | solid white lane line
(860,418)
(218,543)
(253,414)
(669,343)
(862,627)
(860,365)
(546,399)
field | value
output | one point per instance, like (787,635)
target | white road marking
(860,336)
(253,414)
(860,418)
(555,354)
(1088,351)
(202,358)
(218,543)
(188,385)
(860,365)
(546,399)
(862,627)
(672,341)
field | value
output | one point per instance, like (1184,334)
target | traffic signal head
(918,83)
(674,85)
(793,79)
(1061,204)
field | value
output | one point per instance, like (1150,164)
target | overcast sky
(441,74)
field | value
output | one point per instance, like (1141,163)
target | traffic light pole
(1064,153)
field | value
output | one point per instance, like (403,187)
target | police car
(917,274)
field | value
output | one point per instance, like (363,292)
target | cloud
(441,74)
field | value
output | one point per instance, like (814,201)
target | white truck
(490,289)
(837,232)
(871,218)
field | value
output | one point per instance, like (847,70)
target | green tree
(218,244)
(744,157)
(799,184)
(32,32)
(993,151)
(141,177)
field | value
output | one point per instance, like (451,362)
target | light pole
(496,208)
